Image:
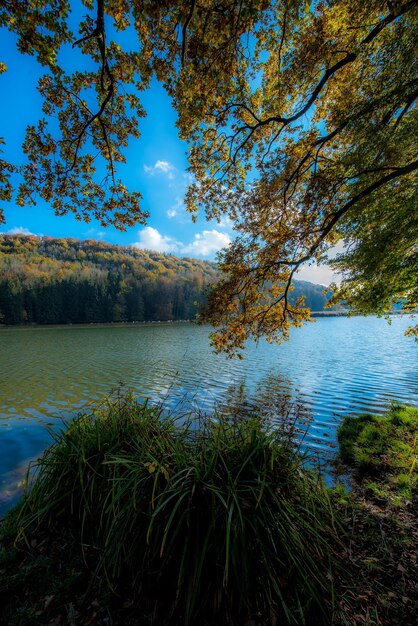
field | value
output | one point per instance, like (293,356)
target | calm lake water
(328,369)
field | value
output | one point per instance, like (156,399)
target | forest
(44,280)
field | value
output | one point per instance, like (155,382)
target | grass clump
(214,522)
(384,449)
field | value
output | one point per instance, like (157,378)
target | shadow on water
(273,398)
(283,407)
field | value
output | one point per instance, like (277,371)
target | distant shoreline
(89,324)
(348,314)
(314,314)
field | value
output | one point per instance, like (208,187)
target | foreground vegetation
(137,518)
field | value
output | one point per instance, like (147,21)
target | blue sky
(156,166)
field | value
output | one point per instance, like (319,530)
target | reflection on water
(273,400)
(329,368)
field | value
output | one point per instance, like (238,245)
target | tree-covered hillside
(59,281)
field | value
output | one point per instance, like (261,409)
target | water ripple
(329,369)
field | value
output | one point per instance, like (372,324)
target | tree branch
(99,33)
(329,73)
(184,31)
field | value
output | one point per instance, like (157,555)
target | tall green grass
(200,521)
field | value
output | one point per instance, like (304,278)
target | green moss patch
(137,519)
(384,452)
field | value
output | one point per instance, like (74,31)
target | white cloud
(189,178)
(176,208)
(226,222)
(18,230)
(151,239)
(94,233)
(320,274)
(161,167)
(207,243)
(337,249)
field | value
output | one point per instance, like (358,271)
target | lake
(330,368)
